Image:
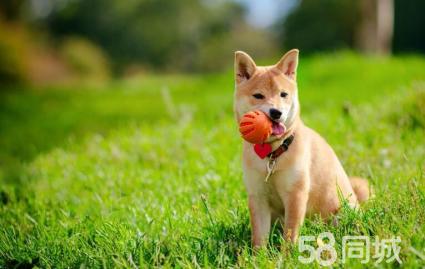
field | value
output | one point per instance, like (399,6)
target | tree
(409,26)
(376,25)
(320,25)
(163,34)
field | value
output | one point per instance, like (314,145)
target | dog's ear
(244,66)
(289,63)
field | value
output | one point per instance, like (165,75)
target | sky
(263,13)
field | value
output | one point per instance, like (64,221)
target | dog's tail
(361,188)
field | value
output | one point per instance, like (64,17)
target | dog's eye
(283,94)
(258,96)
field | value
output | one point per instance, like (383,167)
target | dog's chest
(274,199)
(280,182)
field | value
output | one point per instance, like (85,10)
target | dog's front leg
(259,208)
(295,203)
(260,214)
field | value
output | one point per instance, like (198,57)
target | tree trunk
(375,31)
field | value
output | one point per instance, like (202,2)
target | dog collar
(282,148)
(271,163)
(265,150)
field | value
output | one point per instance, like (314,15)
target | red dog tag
(262,150)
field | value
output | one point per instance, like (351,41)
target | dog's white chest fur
(281,180)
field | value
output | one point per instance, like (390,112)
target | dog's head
(271,89)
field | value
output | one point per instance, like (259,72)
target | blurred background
(51,41)
(73,68)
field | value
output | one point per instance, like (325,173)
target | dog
(306,178)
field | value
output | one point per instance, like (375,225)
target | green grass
(146,172)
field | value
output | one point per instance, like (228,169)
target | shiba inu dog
(306,176)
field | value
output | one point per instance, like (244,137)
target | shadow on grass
(15,264)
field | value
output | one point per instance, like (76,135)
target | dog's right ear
(244,66)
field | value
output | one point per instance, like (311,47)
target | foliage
(85,58)
(409,26)
(147,171)
(26,57)
(161,34)
(320,25)
(331,24)
(13,65)
(10,9)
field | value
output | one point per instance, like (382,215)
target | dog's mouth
(278,129)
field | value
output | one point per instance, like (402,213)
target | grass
(146,172)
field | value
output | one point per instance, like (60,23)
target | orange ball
(255,127)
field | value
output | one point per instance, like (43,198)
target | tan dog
(308,178)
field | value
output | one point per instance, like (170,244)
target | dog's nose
(275,114)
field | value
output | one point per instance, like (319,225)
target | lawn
(147,172)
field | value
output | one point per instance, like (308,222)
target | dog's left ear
(288,64)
